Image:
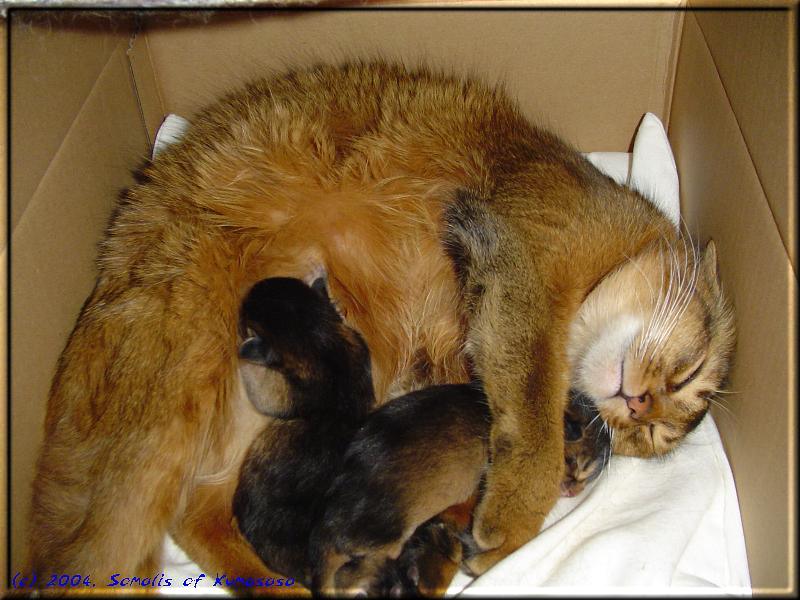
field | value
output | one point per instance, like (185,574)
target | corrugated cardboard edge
(673,44)
(145,84)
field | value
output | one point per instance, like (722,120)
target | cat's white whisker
(655,320)
(638,350)
(593,420)
(659,297)
(635,264)
(679,305)
(683,282)
(725,410)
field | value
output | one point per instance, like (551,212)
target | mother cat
(458,238)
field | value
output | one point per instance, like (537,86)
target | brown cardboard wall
(724,199)
(588,75)
(54,241)
(56,60)
(751,52)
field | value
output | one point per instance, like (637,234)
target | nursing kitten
(459,239)
(411,459)
(414,457)
(371,488)
(295,331)
(429,561)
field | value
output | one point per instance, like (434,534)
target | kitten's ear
(709,267)
(320,285)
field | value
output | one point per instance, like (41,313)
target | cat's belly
(391,279)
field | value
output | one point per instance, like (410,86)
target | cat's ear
(709,267)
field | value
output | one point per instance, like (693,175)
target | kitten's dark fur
(402,448)
(415,457)
(292,462)
(587,444)
(362,490)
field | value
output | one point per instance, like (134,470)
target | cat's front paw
(488,527)
(499,528)
(470,562)
(478,564)
(485,544)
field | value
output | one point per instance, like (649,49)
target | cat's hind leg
(103,516)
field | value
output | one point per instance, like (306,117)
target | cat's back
(398,119)
(358,98)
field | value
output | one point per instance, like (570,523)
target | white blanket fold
(652,526)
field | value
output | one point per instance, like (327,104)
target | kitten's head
(285,323)
(586,444)
(651,345)
(294,329)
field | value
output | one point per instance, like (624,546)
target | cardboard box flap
(56,60)
(54,247)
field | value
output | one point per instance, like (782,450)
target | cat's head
(652,344)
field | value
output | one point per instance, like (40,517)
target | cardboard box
(89,90)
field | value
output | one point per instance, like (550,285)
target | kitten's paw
(427,565)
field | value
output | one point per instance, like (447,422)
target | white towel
(652,526)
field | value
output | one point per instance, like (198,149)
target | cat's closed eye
(688,375)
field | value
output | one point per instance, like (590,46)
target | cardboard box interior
(89,91)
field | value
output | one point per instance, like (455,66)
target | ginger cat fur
(458,239)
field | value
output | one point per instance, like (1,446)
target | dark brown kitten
(294,330)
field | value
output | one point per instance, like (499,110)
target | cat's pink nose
(639,405)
